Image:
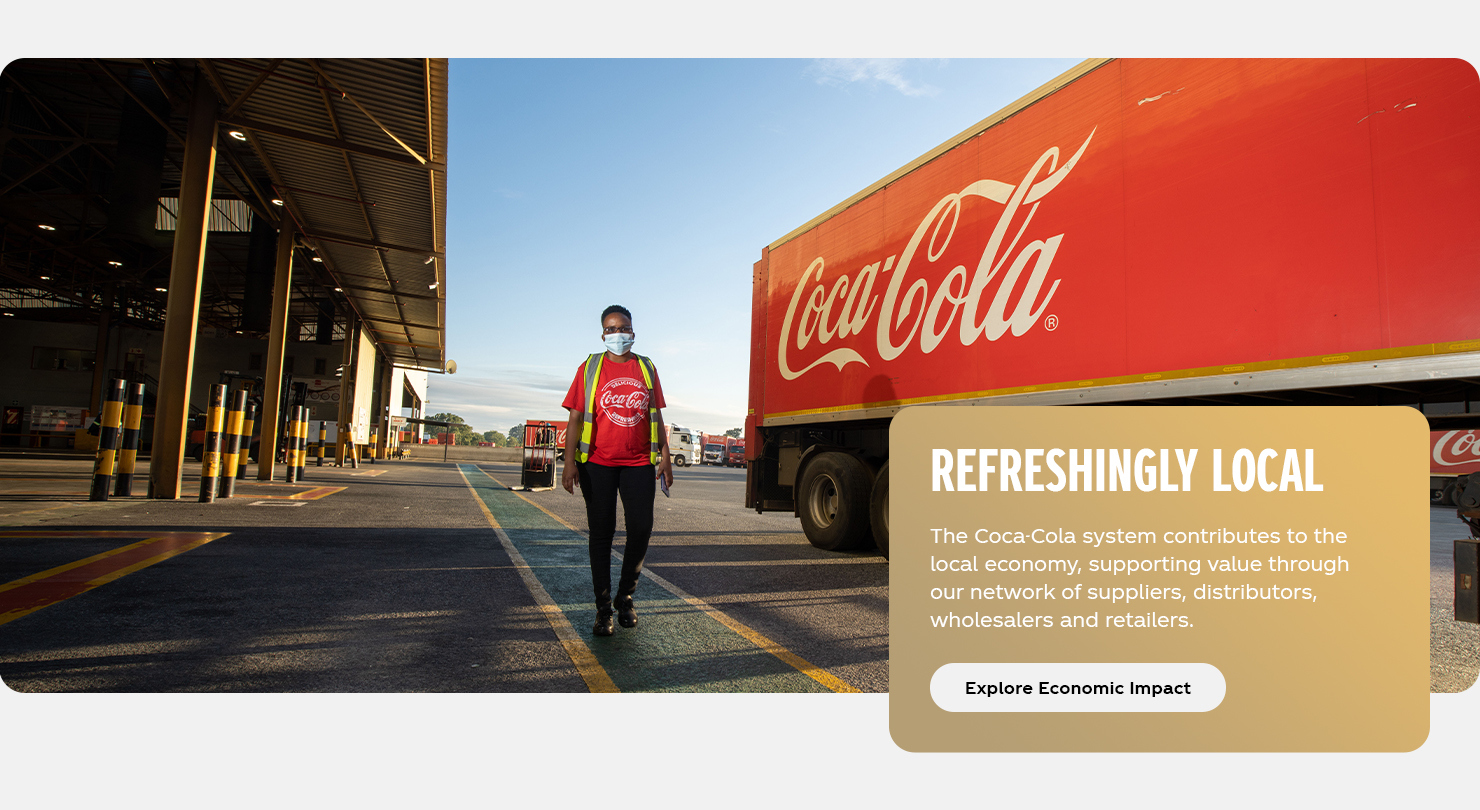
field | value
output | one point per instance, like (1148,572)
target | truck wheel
(1446,495)
(878,511)
(835,490)
(678,460)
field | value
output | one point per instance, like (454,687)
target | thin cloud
(843,72)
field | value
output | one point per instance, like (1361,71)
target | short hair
(616,309)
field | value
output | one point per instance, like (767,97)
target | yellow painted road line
(798,663)
(309,494)
(585,661)
(27,595)
(726,563)
(558,519)
(314,494)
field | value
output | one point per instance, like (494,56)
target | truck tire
(878,511)
(1446,495)
(835,489)
(679,460)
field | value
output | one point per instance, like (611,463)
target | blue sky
(653,183)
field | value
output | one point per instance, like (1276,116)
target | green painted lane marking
(676,647)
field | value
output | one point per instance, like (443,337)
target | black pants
(600,485)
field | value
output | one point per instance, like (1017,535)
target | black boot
(626,612)
(603,622)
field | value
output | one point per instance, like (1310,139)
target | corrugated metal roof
(356,150)
(354,147)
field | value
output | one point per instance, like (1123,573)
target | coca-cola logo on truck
(1455,451)
(845,312)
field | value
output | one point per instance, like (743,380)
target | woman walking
(616,445)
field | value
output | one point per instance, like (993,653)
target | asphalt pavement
(1454,647)
(408,576)
(416,576)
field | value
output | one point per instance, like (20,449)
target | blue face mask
(618,343)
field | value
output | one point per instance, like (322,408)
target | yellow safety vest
(588,420)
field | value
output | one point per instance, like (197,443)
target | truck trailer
(1151,232)
(1453,456)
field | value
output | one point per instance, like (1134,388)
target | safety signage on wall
(57,418)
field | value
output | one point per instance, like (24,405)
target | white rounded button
(1077,687)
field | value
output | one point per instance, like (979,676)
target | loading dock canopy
(356,153)
(353,150)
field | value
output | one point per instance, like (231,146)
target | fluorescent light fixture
(116,264)
(46,227)
(430,259)
(161,289)
(317,259)
(46,278)
(10,314)
(433,285)
(276,201)
(241,136)
(338,289)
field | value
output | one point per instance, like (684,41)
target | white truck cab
(683,446)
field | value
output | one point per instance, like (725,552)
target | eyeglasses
(612,330)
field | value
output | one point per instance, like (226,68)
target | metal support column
(100,354)
(346,438)
(277,337)
(388,373)
(182,307)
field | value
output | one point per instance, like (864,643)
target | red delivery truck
(1189,232)
(735,453)
(716,448)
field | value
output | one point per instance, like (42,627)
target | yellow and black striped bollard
(323,437)
(249,421)
(231,456)
(290,452)
(210,468)
(133,414)
(108,442)
(301,458)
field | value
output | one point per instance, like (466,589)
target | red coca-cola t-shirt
(620,436)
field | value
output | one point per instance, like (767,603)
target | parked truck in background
(1155,232)
(716,448)
(735,453)
(683,446)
